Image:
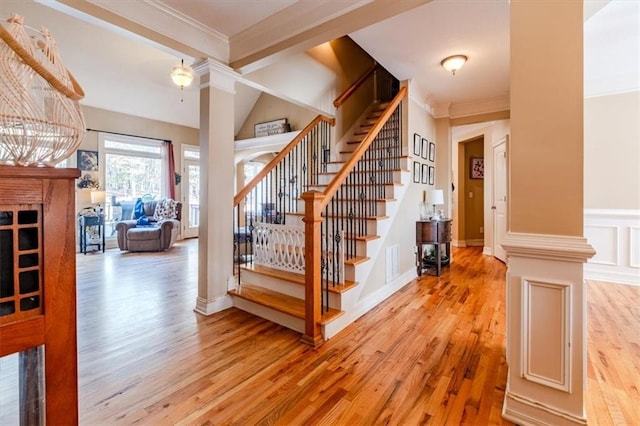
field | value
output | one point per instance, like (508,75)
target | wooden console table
(436,233)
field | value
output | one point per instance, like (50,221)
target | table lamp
(98,197)
(436,198)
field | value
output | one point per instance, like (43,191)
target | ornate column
(217,172)
(546,295)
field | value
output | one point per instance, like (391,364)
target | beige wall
(546,153)
(348,61)
(473,213)
(612,152)
(269,108)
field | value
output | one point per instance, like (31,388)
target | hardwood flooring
(431,354)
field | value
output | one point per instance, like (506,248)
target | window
(133,168)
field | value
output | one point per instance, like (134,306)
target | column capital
(550,247)
(216,74)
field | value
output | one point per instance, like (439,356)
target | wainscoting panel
(550,328)
(615,235)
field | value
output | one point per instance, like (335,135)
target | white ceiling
(123,72)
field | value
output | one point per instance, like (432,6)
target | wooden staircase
(279,295)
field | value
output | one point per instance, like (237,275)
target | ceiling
(123,71)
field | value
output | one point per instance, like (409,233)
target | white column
(546,294)
(217,172)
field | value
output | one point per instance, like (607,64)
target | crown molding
(216,74)
(185,19)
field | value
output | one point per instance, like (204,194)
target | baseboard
(475,243)
(487,251)
(209,307)
(527,412)
(368,303)
(458,243)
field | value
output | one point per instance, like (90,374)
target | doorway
(499,196)
(471,192)
(190,191)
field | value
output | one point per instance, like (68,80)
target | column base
(524,411)
(209,307)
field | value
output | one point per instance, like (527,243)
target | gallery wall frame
(416,172)
(425,148)
(425,173)
(416,144)
(432,152)
(432,175)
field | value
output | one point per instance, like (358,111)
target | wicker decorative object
(41,122)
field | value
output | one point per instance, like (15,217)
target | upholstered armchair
(158,232)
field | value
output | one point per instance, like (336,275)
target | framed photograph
(432,175)
(416,144)
(425,173)
(432,151)
(476,170)
(87,160)
(425,148)
(416,172)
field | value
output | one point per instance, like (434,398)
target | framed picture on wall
(416,172)
(425,173)
(476,170)
(432,175)
(432,151)
(416,144)
(87,160)
(425,148)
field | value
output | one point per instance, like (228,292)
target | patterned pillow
(165,209)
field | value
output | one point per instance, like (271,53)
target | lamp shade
(98,197)
(182,75)
(453,63)
(436,197)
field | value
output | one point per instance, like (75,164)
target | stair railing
(355,85)
(273,193)
(345,208)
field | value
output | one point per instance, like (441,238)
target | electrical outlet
(482,229)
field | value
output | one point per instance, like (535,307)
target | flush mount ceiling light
(453,63)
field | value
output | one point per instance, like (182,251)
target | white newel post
(217,183)
(546,251)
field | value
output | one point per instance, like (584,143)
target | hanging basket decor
(41,122)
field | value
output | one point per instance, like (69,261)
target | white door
(499,195)
(190,192)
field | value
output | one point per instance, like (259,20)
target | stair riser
(325,179)
(272,315)
(285,287)
(345,205)
(372,224)
(403,162)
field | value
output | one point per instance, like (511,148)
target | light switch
(471,195)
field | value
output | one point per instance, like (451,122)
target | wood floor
(432,354)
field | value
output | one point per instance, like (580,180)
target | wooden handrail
(354,86)
(273,163)
(333,187)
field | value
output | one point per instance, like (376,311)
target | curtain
(171,170)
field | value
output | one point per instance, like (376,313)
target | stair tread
(372,159)
(279,302)
(294,277)
(356,260)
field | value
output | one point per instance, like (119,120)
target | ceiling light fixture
(453,63)
(182,76)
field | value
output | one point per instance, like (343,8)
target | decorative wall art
(476,168)
(273,127)
(432,151)
(416,144)
(87,162)
(416,172)
(425,148)
(432,175)
(425,173)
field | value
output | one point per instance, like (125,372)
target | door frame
(187,232)
(496,249)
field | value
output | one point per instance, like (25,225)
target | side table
(436,233)
(86,223)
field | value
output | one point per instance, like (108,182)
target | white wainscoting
(615,235)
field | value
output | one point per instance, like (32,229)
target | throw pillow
(165,209)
